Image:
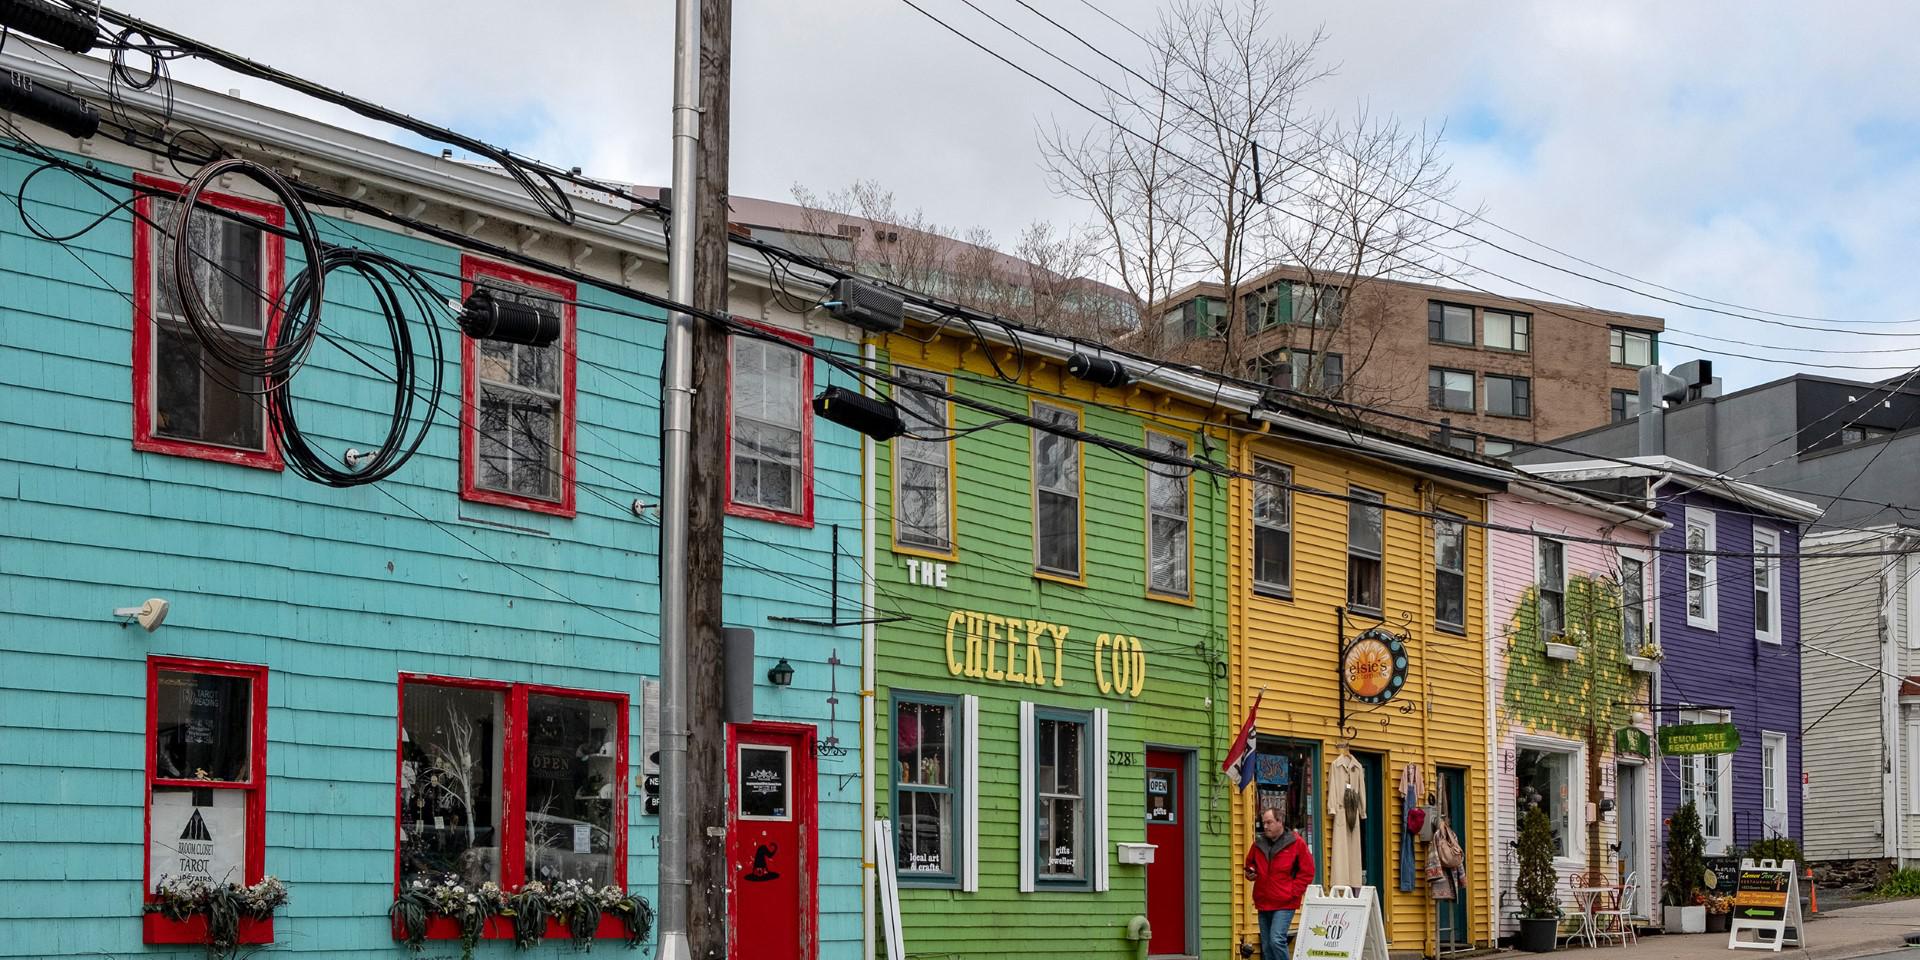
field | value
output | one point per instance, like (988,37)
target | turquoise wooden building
(446,674)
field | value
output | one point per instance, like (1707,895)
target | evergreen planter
(1640,664)
(1562,651)
(1686,920)
(1537,936)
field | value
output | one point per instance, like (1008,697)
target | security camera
(149,615)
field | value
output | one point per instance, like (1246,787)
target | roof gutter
(1401,453)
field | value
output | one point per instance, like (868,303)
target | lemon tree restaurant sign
(1699,739)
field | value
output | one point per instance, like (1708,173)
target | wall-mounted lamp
(148,615)
(1606,804)
(782,674)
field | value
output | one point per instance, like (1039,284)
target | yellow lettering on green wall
(1015,673)
(1100,644)
(1139,667)
(1036,670)
(1122,665)
(1059,651)
(975,644)
(994,622)
(953,661)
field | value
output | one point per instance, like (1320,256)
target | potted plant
(1539,901)
(1644,659)
(1565,645)
(1686,862)
(1719,911)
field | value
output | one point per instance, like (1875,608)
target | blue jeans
(1273,933)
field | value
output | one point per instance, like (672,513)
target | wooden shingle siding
(337,592)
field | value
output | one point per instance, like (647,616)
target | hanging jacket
(1281,870)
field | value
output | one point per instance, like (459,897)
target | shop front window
(1284,778)
(511,783)
(1545,778)
(924,774)
(1060,777)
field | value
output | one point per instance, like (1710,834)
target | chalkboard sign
(203,726)
(763,785)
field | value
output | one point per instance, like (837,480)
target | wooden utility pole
(706,514)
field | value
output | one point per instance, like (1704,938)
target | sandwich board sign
(883,854)
(1766,904)
(1342,923)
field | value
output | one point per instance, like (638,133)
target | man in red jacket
(1280,867)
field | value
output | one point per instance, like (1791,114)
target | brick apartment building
(1529,369)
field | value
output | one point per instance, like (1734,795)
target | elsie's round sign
(1374,667)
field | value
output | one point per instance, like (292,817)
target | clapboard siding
(337,592)
(1728,665)
(1181,704)
(1290,647)
(1845,740)
(1554,701)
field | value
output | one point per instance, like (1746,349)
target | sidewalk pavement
(1860,930)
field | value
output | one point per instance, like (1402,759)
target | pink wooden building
(1573,650)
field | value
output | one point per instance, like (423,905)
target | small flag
(1239,762)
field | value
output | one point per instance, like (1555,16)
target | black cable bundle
(236,353)
(394,284)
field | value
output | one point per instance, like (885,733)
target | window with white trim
(923,469)
(1272,528)
(1706,781)
(1550,572)
(1773,767)
(1703,604)
(1056,493)
(1545,775)
(1060,797)
(1766,585)
(926,800)
(1169,519)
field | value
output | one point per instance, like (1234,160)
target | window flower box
(1641,664)
(1562,651)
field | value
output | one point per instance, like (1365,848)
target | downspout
(1487,631)
(1889,718)
(867,654)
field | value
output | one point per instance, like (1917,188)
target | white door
(1632,816)
(1773,762)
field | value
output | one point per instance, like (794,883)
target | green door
(1450,916)
(1373,834)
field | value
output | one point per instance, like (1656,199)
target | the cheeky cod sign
(1340,924)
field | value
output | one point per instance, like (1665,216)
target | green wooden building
(1051,702)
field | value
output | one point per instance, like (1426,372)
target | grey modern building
(1853,448)
(1810,436)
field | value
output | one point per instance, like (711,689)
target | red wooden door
(1167,880)
(771,834)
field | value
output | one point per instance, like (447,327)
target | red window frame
(804,517)
(155,927)
(472,268)
(513,823)
(144,264)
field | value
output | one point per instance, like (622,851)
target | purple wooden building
(1728,626)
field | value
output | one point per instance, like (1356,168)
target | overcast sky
(1766,154)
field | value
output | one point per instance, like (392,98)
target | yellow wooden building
(1338,540)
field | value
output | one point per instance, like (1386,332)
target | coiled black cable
(236,353)
(397,289)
